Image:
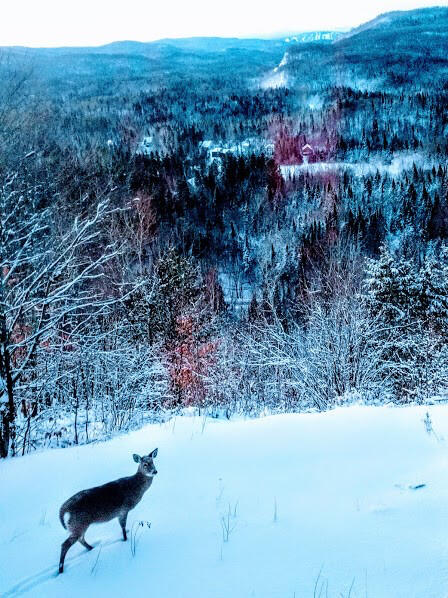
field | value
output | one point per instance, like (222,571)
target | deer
(104,503)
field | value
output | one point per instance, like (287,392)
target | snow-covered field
(285,506)
(400,162)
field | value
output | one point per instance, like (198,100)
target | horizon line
(272,37)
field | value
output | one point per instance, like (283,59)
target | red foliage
(189,363)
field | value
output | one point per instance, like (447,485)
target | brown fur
(103,503)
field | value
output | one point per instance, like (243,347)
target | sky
(95,22)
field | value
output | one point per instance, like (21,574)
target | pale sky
(95,22)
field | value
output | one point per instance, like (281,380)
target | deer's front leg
(122,520)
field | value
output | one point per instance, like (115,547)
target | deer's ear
(154,453)
(137,459)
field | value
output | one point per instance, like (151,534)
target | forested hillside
(228,225)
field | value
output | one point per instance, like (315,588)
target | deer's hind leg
(82,541)
(65,547)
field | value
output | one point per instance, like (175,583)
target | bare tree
(46,282)
(15,74)
(340,351)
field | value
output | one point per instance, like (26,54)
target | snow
(315,102)
(283,62)
(275,79)
(237,148)
(271,507)
(400,162)
(146,146)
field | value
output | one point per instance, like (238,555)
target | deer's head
(146,464)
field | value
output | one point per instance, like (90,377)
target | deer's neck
(143,480)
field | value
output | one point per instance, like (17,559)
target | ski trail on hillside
(37,579)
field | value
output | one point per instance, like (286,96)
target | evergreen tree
(437,227)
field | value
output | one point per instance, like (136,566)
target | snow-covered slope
(354,500)
(283,62)
(278,76)
(401,21)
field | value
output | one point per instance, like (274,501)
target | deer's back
(105,502)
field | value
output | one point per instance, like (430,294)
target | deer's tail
(62,511)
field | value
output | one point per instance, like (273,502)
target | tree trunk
(8,412)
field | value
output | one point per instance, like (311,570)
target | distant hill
(418,20)
(399,48)
(150,62)
(191,44)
